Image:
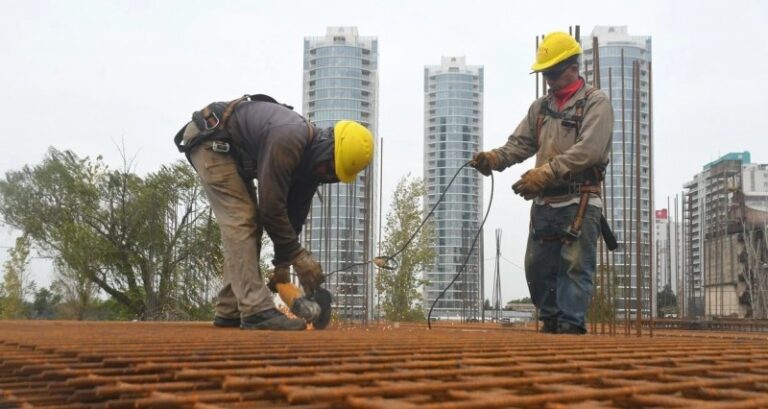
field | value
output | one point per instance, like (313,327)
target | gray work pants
(244,292)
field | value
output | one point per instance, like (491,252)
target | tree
(77,294)
(149,243)
(524,300)
(45,305)
(399,288)
(16,284)
(487,305)
(666,302)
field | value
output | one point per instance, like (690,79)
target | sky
(95,76)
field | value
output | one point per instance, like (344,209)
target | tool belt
(585,185)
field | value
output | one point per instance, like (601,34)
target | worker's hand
(309,271)
(281,275)
(485,162)
(533,181)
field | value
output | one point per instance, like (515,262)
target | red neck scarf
(562,96)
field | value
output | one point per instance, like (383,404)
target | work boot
(549,327)
(226,322)
(566,328)
(272,320)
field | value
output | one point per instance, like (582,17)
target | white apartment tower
(453,131)
(341,82)
(618,51)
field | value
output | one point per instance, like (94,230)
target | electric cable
(469,253)
(384,262)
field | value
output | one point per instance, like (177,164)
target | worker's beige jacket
(568,153)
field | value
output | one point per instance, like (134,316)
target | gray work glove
(281,275)
(309,271)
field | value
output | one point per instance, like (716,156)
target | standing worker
(569,130)
(254,137)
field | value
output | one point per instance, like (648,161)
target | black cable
(469,253)
(383,261)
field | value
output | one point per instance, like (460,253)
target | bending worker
(569,130)
(254,137)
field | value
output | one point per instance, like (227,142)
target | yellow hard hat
(353,149)
(555,48)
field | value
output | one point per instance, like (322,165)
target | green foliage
(16,286)
(600,309)
(110,310)
(77,294)
(147,242)
(524,300)
(399,289)
(666,302)
(45,305)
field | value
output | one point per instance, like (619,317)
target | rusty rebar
(192,365)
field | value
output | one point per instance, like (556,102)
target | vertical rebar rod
(638,211)
(624,235)
(652,294)
(366,244)
(603,249)
(631,212)
(612,220)
(586,74)
(381,212)
(537,74)
(543,80)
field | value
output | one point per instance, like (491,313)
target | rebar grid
(191,365)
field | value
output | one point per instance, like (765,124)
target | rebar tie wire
(390,263)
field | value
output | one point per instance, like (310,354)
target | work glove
(532,182)
(485,162)
(281,275)
(309,271)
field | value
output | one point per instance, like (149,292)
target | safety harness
(212,122)
(584,184)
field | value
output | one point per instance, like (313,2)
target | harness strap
(213,123)
(574,120)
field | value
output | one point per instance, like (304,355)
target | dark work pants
(560,275)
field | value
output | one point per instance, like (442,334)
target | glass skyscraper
(341,82)
(619,196)
(453,131)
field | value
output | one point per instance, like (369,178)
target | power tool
(314,308)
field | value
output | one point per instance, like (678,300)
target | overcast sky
(92,75)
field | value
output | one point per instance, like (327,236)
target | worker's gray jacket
(277,140)
(567,153)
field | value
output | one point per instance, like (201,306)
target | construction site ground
(54,364)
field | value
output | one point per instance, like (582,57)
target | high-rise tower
(341,82)
(453,131)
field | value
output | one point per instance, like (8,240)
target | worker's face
(325,172)
(559,79)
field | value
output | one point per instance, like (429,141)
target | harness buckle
(209,127)
(220,146)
